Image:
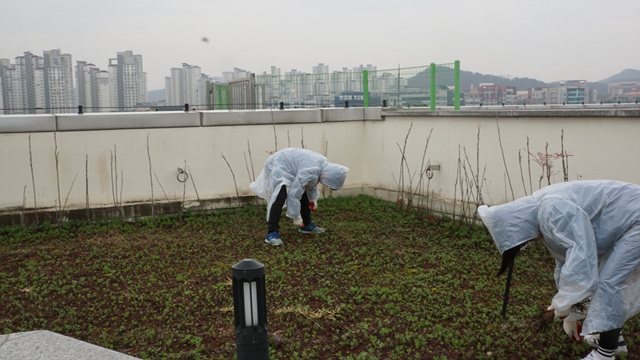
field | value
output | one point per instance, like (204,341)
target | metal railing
(401,87)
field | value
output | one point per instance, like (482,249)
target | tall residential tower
(58,81)
(128,80)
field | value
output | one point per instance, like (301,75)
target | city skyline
(548,40)
(35,84)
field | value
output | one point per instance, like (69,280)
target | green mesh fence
(401,87)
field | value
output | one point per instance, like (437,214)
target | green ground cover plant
(381,283)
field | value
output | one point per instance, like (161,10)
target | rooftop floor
(47,345)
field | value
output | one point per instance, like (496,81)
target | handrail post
(365,87)
(432,96)
(456,69)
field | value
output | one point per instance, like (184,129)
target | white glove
(572,328)
(297,222)
(313,206)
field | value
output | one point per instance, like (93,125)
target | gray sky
(548,40)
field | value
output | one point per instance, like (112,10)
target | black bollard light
(250,310)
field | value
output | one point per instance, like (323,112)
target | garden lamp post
(250,310)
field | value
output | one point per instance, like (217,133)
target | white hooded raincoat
(592,230)
(299,170)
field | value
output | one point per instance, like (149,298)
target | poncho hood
(333,175)
(513,223)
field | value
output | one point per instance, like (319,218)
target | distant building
(8,86)
(628,97)
(187,85)
(486,94)
(87,86)
(1,89)
(619,88)
(576,91)
(237,73)
(565,92)
(93,87)
(473,96)
(30,68)
(104,91)
(522,96)
(113,83)
(355,99)
(555,95)
(275,71)
(35,83)
(174,87)
(58,81)
(193,85)
(321,69)
(129,80)
(510,95)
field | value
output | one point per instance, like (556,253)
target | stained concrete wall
(112,159)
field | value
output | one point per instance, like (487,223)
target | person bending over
(289,179)
(592,230)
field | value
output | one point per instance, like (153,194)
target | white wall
(602,143)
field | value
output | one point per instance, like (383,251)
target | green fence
(401,87)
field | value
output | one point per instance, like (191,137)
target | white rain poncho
(592,230)
(299,170)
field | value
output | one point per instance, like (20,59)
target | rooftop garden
(383,282)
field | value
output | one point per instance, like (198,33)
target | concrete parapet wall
(520,111)
(260,117)
(72,163)
(135,120)
(27,123)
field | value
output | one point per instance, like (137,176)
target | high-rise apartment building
(193,84)
(128,80)
(22,85)
(104,91)
(58,81)
(85,79)
(186,85)
(175,88)
(1,90)
(237,73)
(321,69)
(12,101)
(28,65)
(113,83)
(93,87)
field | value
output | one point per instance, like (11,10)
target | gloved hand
(297,222)
(573,329)
(313,206)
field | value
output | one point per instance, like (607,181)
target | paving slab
(43,344)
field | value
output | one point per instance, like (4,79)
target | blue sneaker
(273,238)
(311,229)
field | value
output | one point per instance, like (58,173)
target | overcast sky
(549,40)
